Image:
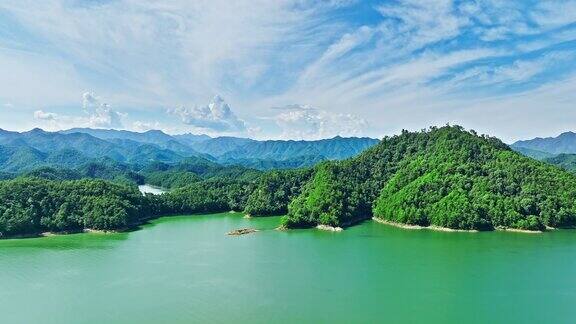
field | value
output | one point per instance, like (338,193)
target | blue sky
(289,69)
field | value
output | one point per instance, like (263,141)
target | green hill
(535,154)
(31,206)
(445,177)
(564,161)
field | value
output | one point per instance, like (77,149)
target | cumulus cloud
(141,126)
(216,116)
(42,115)
(97,114)
(306,122)
(400,63)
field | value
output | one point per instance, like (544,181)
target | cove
(186,269)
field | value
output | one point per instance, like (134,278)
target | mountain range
(25,151)
(444,178)
(559,150)
(563,143)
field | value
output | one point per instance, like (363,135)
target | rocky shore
(242,231)
(329,228)
(418,227)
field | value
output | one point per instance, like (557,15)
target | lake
(185,269)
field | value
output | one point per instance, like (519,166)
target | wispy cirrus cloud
(397,63)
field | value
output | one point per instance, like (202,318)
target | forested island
(446,177)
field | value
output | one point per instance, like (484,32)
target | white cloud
(141,126)
(305,122)
(97,114)
(216,116)
(171,51)
(518,71)
(421,22)
(42,115)
(412,62)
(555,13)
(100,115)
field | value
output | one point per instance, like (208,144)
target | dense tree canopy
(443,176)
(33,205)
(564,161)
(274,190)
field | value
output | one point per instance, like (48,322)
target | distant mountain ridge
(336,148)
(563,143)
(244,151)
(27,150)
(155,137)
(559,151)
(74,147)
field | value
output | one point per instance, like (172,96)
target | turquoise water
(185,269)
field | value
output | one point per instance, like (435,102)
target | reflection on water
(64,242)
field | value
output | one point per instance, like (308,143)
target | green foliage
(50,173)
(321,202)
(564,161)
(535,154)
(215,195)
(33,205)
(302,161)
(466,183)
(275,190)
(194,170)
(172,179)
(109,169)
(444,177)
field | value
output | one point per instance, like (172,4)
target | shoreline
(446,229)
(52,234)
(418,227)
(95,231)
(517,230)
(329,228)
(128,228)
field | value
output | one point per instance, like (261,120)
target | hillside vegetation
(445,177)
(26,151)
(564,161)
(31,206)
